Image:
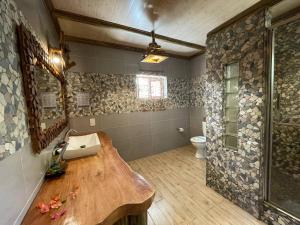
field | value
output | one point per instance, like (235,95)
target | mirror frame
(31,55)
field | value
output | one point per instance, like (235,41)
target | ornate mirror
(45,92)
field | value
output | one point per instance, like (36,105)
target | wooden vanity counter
(108,190)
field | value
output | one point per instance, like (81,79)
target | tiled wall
(140,134)
(47,83)
(13,127)
(277,217)
(236,173)
(21,171)
(111,93)
(102,60)
(286,126)
(286,121)
(197,94)
(138,128)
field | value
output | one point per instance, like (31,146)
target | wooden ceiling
(181,25)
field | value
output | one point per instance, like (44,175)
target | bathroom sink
(80,146)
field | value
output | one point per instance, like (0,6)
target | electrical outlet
(92,122)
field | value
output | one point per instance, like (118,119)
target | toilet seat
(198,139)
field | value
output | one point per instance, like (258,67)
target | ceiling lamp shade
(154,54)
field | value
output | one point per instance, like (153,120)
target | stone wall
(286,124)
(236,173)
(21,171)
(286,149)
(276,217)
(197,91)
(48,83)
(13,123)
(116,93)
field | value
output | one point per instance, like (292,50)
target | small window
(231,105)
(151,87)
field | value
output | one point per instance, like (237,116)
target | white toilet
(199,143)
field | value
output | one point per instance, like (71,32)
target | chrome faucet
(67,135)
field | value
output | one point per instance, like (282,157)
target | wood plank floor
(181,195)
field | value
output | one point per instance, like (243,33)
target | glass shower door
(284,166)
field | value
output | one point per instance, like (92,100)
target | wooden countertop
(108,189)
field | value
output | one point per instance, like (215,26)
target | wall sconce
(56,59)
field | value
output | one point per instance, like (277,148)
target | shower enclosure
(283,132)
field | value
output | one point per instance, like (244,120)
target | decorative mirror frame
(32,54)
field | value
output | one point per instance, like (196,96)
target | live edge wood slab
(109,192)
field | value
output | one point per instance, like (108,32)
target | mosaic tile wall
(235,173)
(13,123)
(286,126)
(197,91)
(275,217)
(110,93)
(47,83)
(286,149)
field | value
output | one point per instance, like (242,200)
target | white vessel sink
(80,146)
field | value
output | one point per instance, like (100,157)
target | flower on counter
(58,214)
(56,203)
(44,208)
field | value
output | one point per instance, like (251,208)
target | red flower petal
(58,215)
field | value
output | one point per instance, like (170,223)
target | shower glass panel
(284,166)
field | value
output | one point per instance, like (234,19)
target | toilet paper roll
(180,129)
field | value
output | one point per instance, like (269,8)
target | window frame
(226,108)
(152,78)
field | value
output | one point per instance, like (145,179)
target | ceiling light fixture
(153,53)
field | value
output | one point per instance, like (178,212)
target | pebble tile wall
(286,126)
(236,173)
(197,91)
(47,83)
(111,93)
(275,217)
(13,125)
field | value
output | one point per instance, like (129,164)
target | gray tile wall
(197,112)
(21,176)
(135,134)
(196,118)
(21,172)
(96,59)
(37,14)
(140,134)
(236,173)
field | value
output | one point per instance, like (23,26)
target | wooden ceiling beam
(69,38)
(259,5)
(99,22)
